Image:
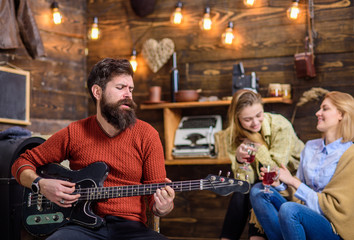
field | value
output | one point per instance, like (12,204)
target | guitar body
(42,217)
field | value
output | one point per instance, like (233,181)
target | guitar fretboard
(147,189)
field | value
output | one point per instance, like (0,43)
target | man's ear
(96,91)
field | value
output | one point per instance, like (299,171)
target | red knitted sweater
(134,156)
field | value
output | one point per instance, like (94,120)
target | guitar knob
(37,219)
(231,181)
(228,174)
(237,175)
(246,177)
(55,217)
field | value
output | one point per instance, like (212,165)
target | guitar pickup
(40,219)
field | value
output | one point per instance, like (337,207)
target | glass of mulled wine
(251,149)
(270,175)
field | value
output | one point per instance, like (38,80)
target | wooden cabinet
(172,114)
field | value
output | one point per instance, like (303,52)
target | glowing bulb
(248,3)
(176,17)
(293,11)
(228,36)
(133,61)
(205,24)
(56,14)
(94,32)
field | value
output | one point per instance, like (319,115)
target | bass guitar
(42,217)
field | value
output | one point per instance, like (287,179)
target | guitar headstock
(225,186)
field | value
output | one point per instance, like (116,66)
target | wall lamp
(57,18)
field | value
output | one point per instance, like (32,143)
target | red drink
(269,177)
(251,158)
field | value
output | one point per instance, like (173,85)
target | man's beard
(117,117)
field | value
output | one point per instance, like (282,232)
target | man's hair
(105,70)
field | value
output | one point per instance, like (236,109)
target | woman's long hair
(241,99)
(344,102)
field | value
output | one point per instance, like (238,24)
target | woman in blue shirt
(283,219)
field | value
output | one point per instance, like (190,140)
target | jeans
(115,228)
(281,219)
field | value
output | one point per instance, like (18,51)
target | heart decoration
(157,53)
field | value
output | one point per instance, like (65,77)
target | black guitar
(42,217)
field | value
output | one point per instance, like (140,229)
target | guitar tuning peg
(246,177)
(237,175)
(228,174)
(220,173)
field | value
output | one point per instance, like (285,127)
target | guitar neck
(144,189)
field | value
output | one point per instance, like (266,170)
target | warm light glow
(293,11)
(56,14)
(205,24)
(228,36)
(176,17)
(133,61)
(94,32)
(248,3)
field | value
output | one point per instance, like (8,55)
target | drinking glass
(251,153)
(270,175)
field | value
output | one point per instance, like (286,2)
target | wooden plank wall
(58,94)
(266,42)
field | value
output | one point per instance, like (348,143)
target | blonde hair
(241,99)
(344,102)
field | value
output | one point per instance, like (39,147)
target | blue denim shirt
(317,166)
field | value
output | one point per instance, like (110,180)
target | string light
(248,3)
(205,23)
(56,14)
(176,17)
(133,61)
(94,32)
(228,36)
(293,11)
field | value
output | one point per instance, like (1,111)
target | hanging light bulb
(228,36)
(133,61)
(248,3)
(176,17)
(56,14)
(94,32)
(205,23)
(293,11)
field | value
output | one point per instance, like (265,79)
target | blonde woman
(322,187)
(278,144)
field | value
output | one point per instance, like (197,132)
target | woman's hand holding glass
(246,154)
(286,177)
(270,177)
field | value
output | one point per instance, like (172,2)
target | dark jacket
(17,20)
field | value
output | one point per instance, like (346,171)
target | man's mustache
(128,102)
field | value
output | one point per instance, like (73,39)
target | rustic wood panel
(58,93)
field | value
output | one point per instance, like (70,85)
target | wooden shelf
(172,115)
(207,104)
(198,161)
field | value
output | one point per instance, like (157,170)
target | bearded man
(130,148)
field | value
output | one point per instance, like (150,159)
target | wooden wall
(58,94)
(266,42)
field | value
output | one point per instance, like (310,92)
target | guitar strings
(136,190)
